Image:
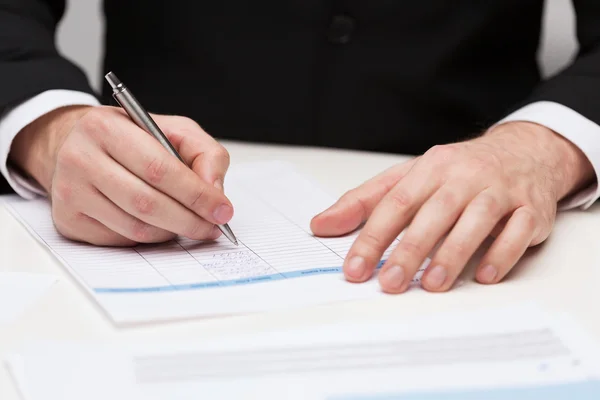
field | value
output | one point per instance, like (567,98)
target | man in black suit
(455,83)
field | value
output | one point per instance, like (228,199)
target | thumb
(354,207)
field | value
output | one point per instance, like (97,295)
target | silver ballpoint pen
(141,117)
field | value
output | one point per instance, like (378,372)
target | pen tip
(228,233)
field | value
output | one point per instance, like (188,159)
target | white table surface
(562,274)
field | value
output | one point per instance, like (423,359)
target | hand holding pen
(112,183)
(141,117)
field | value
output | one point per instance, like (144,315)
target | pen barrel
(142,119)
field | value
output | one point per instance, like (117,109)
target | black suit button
(341,29)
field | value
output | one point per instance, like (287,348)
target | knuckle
(349,195)
(457,251)
(199,230)
(478,165)
(528,219)
(144,204)
(371,240)
(410,248)
(187,123)
(384,184)
(156,170)
(442,152)
(114,239)
(447,200)
(94,123)
(490,205)
(69,159)
(493,160)
(510,248)
(401,199)
(186,126)
(197,198)
(485,167)
(222,153)
(141,232)
(352,197)
(62,191)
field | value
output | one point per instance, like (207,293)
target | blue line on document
(225,283)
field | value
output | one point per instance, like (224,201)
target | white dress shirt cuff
(582,132)
(17,118)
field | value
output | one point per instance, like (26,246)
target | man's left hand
(505,183)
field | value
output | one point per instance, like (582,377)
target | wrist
(35,147)
(569,168)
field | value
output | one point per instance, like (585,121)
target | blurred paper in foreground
(512,353)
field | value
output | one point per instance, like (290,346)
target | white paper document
(513,353)
(19,291)
(278,264)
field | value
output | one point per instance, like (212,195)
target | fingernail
(392,278)
(218,184)
(436,277)
(488,273)
(223,213)
(356,267)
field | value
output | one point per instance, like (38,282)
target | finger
(386,222)
(143,156)
(211,165)
(79,227)
(147,204)
(508,247)
(100,208)
(207,157)
(475,224)
(433,220)
(500,226)
(92,203)
(354,207)
(65,195)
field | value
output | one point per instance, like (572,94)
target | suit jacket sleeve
(29,60)
(578,86)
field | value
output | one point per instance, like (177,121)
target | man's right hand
(111,183)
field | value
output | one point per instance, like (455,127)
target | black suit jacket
(382,75)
